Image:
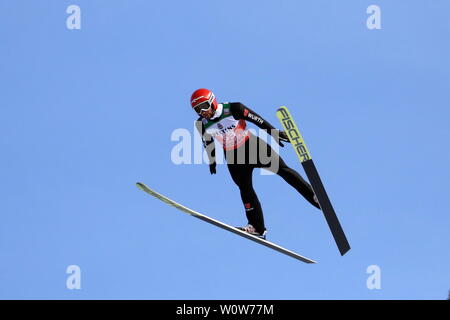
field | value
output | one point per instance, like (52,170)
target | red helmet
(203,99)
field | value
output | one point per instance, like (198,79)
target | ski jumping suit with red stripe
(243,152)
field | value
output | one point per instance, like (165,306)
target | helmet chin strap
(218,111)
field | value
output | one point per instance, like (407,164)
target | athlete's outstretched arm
(208,143)
(240,111)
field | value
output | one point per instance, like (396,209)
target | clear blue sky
(84,114)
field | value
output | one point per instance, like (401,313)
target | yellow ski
(303,154)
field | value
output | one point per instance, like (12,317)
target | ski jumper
(243,152)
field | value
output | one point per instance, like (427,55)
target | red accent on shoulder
(247,205)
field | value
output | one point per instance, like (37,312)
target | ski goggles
(204,106)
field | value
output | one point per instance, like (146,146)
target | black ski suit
(254,153)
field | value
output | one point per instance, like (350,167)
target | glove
(212,168)
(282,136)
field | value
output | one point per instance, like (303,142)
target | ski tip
(140,185)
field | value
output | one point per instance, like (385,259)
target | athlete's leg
(289,175)
(242,176)
(295,180)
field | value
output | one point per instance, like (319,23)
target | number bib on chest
(231,133)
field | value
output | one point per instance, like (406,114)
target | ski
(303,154)
(222,225)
